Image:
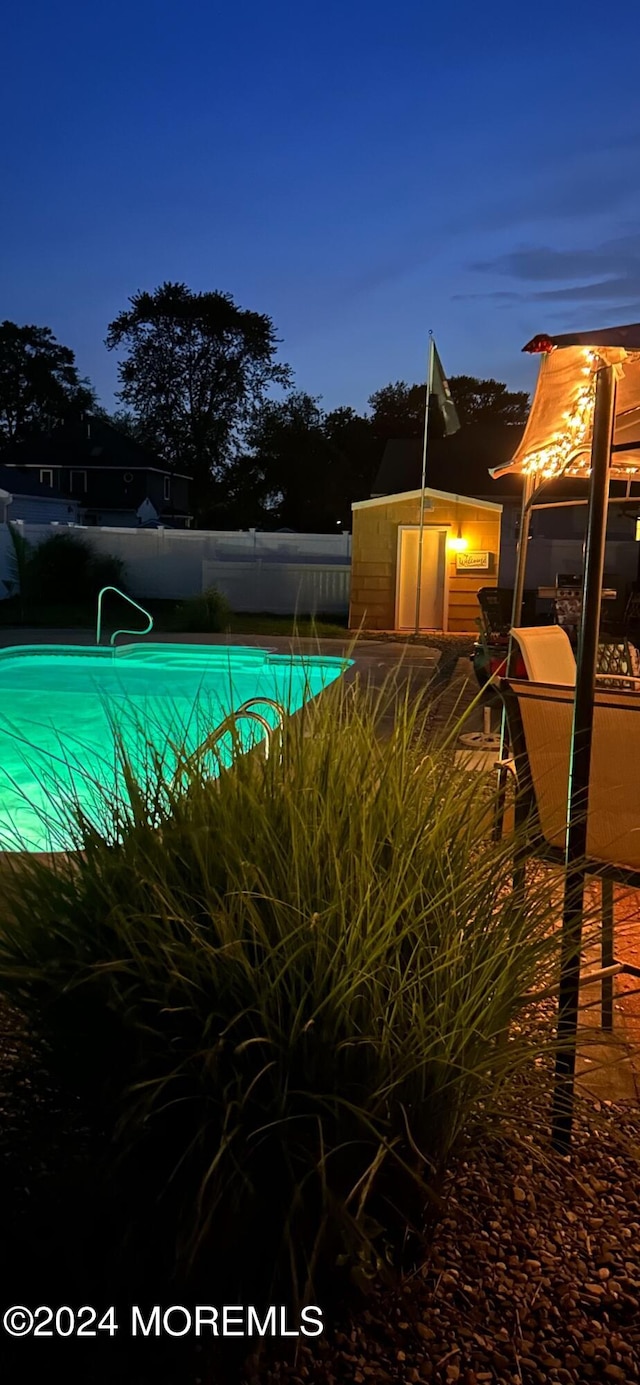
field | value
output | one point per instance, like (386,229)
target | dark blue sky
(360,171)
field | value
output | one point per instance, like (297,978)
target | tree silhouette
(196,367)
(39,383)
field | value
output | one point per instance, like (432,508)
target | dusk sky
(360,171)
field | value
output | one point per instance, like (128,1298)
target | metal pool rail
(121,632)
(247,712)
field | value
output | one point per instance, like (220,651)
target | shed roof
(471,500)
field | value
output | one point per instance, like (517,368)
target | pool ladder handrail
(246,710)
(131,603)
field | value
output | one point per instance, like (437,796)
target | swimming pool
(65,708)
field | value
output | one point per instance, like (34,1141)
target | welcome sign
(475,560)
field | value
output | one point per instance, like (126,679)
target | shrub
(296,986)
(105,570)
(65,567)
(208,612)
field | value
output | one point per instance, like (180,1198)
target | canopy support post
(521,559)
(580,760)
(528,486)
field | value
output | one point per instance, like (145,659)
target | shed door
(431,582)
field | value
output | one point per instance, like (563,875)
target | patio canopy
(557,438)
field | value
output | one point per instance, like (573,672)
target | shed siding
(375,555)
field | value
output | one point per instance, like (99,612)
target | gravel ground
(533,1277)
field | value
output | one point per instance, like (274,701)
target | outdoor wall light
(456,542)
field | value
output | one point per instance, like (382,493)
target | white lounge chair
(546,653)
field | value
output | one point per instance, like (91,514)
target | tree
(308,465)
(487,401)
(243,498)
(122,419)
(353,440)
(297,462)
(39,383)
(397,410)
(197,367)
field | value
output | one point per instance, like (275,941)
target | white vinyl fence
(277,573)
(282,588)
(7,564)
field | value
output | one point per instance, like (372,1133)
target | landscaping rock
(513,1295)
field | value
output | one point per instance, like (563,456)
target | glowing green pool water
(63,710)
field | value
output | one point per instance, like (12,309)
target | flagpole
(423,481)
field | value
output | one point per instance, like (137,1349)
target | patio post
(528,485)
(521,557)
(580,759)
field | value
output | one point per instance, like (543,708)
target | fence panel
(281,588)
(288,571)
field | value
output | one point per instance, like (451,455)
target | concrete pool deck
(375,659)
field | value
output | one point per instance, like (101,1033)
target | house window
(78,482)
(46,477)
(167,487)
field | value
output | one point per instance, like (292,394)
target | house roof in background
(461,463)
(94,442)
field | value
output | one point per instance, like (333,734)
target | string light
(557,456)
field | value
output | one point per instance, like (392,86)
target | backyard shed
(460,548)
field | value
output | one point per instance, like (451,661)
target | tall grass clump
(292,989)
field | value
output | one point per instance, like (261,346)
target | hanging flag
(440,389)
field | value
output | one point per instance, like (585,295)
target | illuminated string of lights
(560,454)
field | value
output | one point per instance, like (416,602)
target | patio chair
(491,648)
(548,657)
(495,607)
(539,718)
(631,619)
(618,662)
(547,653)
